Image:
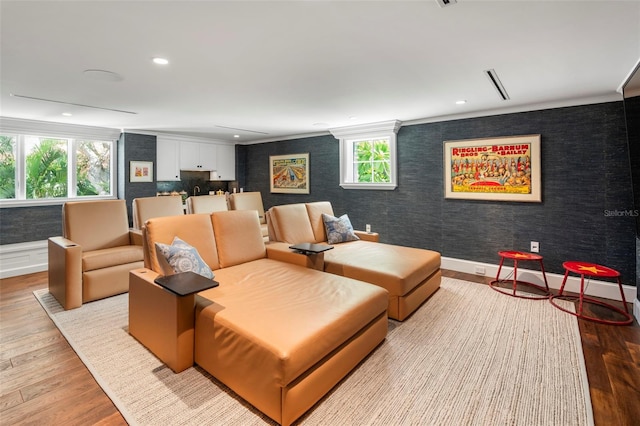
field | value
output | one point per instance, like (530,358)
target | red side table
(517,256)
(593,270)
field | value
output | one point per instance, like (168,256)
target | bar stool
(516,256)
(593,270)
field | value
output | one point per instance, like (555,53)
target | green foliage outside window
(93,168)
(46,164)
(46,169)
(7,167)
(372,161)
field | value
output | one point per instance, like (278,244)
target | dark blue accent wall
(585,180)
(135,147)
(585,174)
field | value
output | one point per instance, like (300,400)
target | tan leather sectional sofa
(410,275)
(278,334)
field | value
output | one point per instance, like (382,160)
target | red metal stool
(516,256)
(593,270)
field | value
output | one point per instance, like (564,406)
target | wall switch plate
(535,247)
(368,227)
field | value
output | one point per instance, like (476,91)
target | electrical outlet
(480,270)
(368,228)
(535,247)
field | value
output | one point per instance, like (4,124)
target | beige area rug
(468,356)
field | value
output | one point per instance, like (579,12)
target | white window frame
(72,133)
(348,136)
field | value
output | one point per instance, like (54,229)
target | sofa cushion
(183,257)
(195,229)
(277,320)
(106,258)
(338,229)
(238,237)
(291,224)
(80,217)
(315,211)
(398,269)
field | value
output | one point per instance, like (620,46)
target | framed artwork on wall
(495,169)
(141,171)
(289,173)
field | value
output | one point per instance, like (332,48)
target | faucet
(194,190)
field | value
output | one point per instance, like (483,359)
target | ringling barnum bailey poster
(502,169)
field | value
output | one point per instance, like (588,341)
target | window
(368,156)
(41,169)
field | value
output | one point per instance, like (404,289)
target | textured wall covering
(585,173)
(134,147)
(24,224)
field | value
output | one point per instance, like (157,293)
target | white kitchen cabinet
(201,157)
(167,159)
(226,168)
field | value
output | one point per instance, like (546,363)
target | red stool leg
(544,275)
(499,269)
(581,293)
(624,301)
(515,275)
(564,281)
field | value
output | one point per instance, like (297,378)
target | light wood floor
(42,381)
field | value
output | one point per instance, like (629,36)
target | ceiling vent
(497,84)
(71,103)
(242,130)
(445,3)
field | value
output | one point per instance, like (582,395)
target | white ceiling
(280,68)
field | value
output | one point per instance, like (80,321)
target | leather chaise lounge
(278,334)
(410,275)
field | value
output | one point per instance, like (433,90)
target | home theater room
(325,212)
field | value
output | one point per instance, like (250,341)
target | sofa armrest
(368,236)
(281,252)
(162,321)
(135,237)
(65,272)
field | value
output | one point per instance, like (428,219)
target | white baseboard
(636,309)
(604,289)
(23,258)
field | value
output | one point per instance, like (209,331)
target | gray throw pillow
(183,258)
(339,229)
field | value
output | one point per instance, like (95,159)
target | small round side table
(516,256)
(593,270)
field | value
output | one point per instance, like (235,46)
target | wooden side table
(593,270)
(519,256)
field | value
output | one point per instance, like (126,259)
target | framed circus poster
(496,169)
(289,173)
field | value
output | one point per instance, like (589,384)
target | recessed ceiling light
(67,114)
(160,61)
(236,136)
(461,102)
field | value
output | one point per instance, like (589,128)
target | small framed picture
(141,171)
(289,173)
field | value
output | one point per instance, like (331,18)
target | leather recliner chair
(250,201)
(147,207)
(93,257)
(207,204)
